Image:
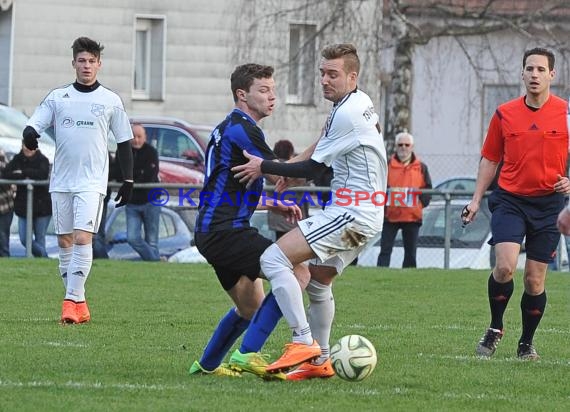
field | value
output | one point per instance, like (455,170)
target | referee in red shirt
(530,135)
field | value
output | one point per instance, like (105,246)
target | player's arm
(41,119)
(256,167)
(125,159)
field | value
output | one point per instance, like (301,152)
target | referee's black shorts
(233,253)
(514,217)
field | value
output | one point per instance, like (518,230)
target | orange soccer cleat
(69,312)
(83,314)
(295,353)
(309,370)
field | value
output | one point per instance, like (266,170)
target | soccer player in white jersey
(353,145)
(82,114)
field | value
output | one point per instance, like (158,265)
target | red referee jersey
(533,145)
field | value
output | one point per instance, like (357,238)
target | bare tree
(414,23)
(395,28)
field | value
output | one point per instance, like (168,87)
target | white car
(12,124)
(468,245)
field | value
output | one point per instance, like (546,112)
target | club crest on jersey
(98,109)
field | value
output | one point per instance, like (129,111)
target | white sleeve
(43,115)
(120,125)
(336,142)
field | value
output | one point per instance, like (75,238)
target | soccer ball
(353,357)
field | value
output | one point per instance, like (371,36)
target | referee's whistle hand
(563,221)
(562,185)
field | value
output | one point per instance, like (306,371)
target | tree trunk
(401,81)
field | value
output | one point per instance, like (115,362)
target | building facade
(174,58)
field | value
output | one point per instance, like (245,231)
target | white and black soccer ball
(353,357)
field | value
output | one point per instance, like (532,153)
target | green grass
(151,320)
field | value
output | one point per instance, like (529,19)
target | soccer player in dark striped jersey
(223,233)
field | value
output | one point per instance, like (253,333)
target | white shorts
(80,210)
(335,239)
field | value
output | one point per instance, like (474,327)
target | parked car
(469,247)
(176,140)
(173,235)
(173,173)
(12,123)
(465,183)
(181,147)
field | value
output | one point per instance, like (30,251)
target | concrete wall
(5,37)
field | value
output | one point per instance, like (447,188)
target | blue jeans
(39,229)
(5,222)
(137,216)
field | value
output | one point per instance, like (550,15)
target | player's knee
(273,261)
(318,292)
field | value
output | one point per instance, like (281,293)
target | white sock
(78,271)
(288,294)
(321,314)
(64,259)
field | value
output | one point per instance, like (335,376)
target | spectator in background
(99,239)
(140,212)
(284,150)
(31,164)
(406,174)
(6,211)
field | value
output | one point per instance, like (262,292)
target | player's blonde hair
(347,52)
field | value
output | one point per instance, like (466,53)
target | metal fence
(450,202)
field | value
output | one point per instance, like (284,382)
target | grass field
(150,320)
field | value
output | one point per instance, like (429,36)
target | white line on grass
(88,385)
(474,358)
(142,386)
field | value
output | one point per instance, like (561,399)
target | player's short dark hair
(244,75)
(347,52)
(542,52)
(85,44)
(284,149)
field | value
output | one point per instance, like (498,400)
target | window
(302,46)
(148,70)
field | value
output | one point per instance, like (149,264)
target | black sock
(499,295)
(532,309)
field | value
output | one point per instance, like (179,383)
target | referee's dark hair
(244,75)
(542,52)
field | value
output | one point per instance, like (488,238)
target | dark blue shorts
(233,253)
(514,217)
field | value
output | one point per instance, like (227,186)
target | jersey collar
(84,88)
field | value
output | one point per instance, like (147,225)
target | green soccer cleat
(253,362)
(222,370)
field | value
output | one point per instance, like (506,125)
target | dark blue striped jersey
(225,203)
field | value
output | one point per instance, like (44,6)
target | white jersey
(82,121)
(354,147)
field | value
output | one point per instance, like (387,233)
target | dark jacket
(145,170)
(35,168)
